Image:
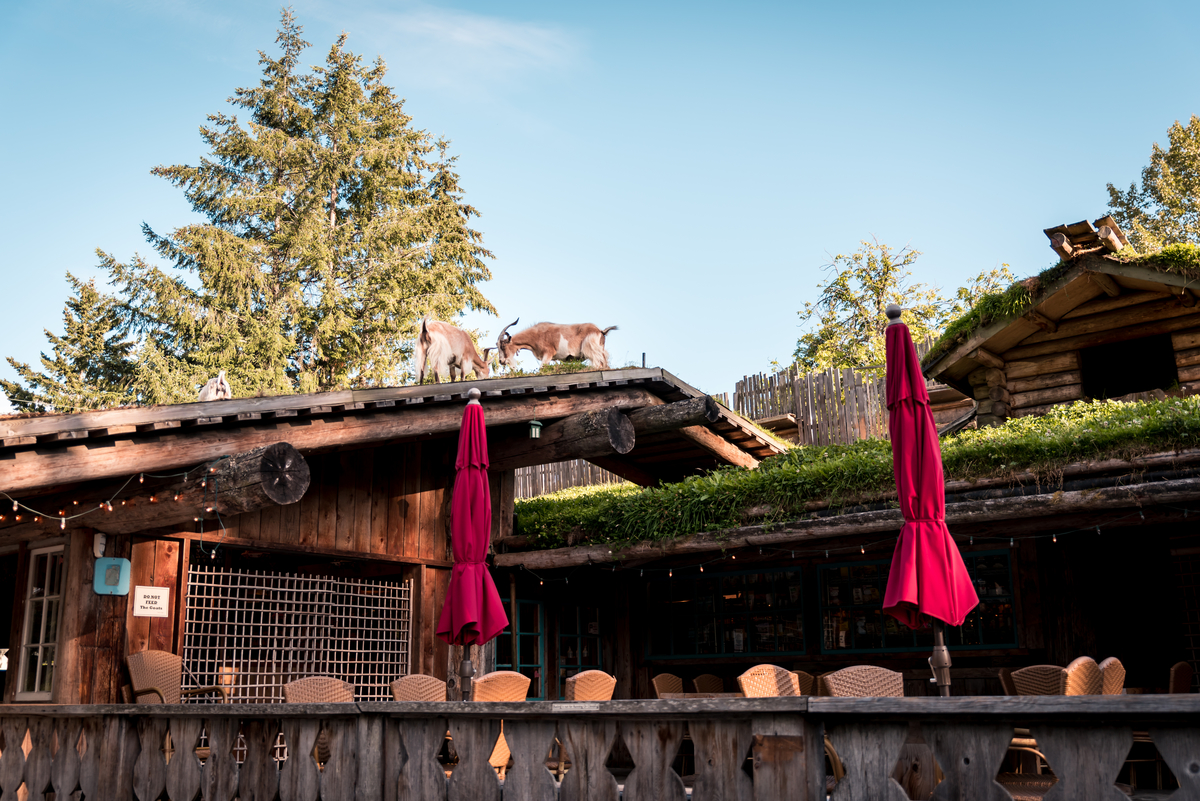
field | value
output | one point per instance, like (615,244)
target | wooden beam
(672,416)
(635,473)
(50,467)
(1041,321)
(887,521)
(1062,246)
(987,358)
(721,448)
(1104,337)
(581,436)
(1184,296)
(1105,282)
(1109,239)
(266,476)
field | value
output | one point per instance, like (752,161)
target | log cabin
(264,539)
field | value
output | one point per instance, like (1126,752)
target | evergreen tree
(90,366)
(1165,209)
(331,226)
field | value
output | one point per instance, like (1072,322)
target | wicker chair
(159,673)
(864,681)
(1112,676)
(805,682)
(666,683)
(1083,677)
(1007,683)
(418,688)
(1181,678)
(591,685)
(501,685)
(318,690)
(1039,680)
(708,683)
(767,681)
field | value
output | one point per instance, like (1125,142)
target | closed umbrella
(927,577)
(473,612)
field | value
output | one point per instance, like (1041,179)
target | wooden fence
(833,406)
(543,478)
(395,751)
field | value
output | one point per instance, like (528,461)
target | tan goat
(442,349)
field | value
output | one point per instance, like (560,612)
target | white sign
(151,601)
(575,706)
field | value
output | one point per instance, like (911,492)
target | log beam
(672,416)
(1041,321)
(987,358)
(1105,282)
(1062,246)
(275,474)
(720,448)
(1109,239)
(581,436)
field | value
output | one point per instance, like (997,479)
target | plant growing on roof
(1165,208)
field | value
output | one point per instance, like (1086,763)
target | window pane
(54,585)
(762,630)
(504,649)
(568,623)
(590,651)
(529,622)
(529,650)
(568,654)
(535,681)
(32,655)
(34,634)
(51,622)
(37,576)
(47,669)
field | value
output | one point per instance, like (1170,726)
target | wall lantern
(535,429)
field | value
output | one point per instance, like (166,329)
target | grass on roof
(782,485)
(1181,259)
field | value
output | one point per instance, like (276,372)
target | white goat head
(216,389)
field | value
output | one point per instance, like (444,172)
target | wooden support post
(1041,321)
(581,436)
(672,416)
(1062,246)
(1109,239)
(719,447)
(987,358)
(1105,282)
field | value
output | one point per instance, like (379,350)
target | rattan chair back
(1040,680)
(500,685)
(708,683)
(1181,678)
(318,690)
(1007,683)
(418,688)
(666,683)
(1083,677)
(155,677)
(805,682)
(591,685)
(1112,676)
(767,681)
(864,681)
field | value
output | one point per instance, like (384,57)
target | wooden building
(271,538)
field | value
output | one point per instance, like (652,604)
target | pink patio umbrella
(928,577)
(473,612)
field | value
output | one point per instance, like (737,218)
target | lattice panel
(256,630)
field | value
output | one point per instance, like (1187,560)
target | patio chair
(1181,678)
(1083,677)
(768,681)
(1007,683)
(318,690)
(1039,680)
(864,681)
(666,683)
(591,685)
(418,688)
(708,683)
(159,673)
(500,685)
(805,682)
(1112,676)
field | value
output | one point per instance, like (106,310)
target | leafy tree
(1165,209)
(849,314)
(90,366)
(331,226)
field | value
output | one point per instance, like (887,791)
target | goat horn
(510,325)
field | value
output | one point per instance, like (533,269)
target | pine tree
(1165,209)
(331,226)
(90,366)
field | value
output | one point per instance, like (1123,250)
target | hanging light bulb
(1011,542)
(213,555)
(14,506)
(862,549)
(75,503)
(177,496)
(208,508)
(122,501)
(37,518)
(1054,538)
(1,518)
(972,539)
(62,523)
(701,568)
(62,512)
(204,482)
(153,499)
(141,478)
(17,518)
(670,574)
(541,583)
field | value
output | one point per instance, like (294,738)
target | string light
(1054,538)
(1097,531)
(1011,542)
(862,549)
(670,573)
(62,523)
(701,568)
(14,506)
(177,496)
(37,518)
(141,478)
(17,518)
(972,539)
(153,499)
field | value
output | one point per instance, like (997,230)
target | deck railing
(391,751)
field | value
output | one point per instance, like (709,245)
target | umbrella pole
(465,671)
(940,661)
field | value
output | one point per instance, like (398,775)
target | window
(578,643)
(1136,365)
(529,623)
(258,630)
(43,607)
(852,617)
(746,613)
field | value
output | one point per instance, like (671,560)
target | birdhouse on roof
(1104,323)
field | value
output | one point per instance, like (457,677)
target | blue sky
(682,170)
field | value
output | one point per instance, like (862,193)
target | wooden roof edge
(730,416)
(1111,265)
(44,425)
(860,523)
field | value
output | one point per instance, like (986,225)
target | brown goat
(548,341)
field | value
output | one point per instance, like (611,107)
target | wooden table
(702,695)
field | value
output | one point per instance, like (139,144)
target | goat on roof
(444,350)
(549,341)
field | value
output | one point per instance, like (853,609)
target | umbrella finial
(893,312)
(473,396)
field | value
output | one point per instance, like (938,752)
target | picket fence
(545,478)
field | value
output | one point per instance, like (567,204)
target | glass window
(852,616)
(43,604)
(578,643)
(752,613)
(530,644)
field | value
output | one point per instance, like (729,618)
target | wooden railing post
(721,747)
(789,758)
(653,745)
(473,778)
(530,741)
(421,777)
(588,743)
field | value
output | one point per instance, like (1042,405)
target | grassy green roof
(1017,299)
(845,474)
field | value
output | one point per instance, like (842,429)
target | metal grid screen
(255,631)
